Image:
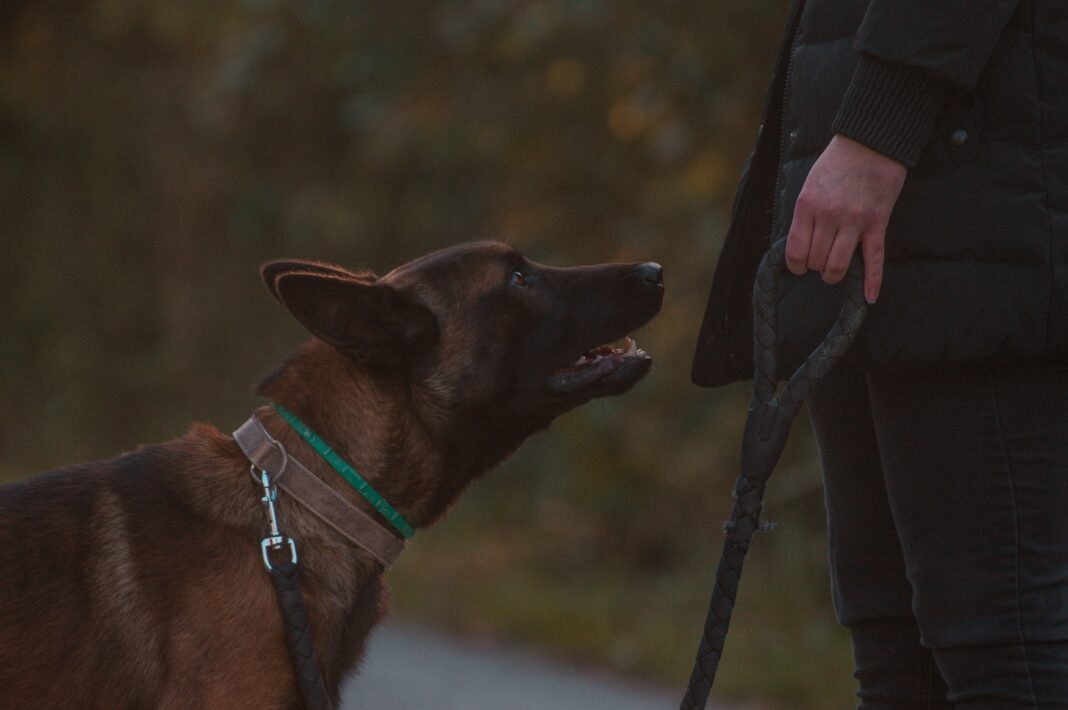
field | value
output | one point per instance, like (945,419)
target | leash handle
(766,431)
(827,353)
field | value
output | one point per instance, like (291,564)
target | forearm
(914,55)
(891,108)
(951,41)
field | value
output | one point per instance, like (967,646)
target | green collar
(347,472)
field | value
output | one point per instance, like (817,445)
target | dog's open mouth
(608,364)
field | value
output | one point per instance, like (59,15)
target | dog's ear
(270,272)
(372,323)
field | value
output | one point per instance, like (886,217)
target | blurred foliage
(153,154)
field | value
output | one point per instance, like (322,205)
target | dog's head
(492,334)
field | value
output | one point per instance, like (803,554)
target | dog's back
(117,568)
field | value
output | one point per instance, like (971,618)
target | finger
(798,240)
(845,243)
(822,238)
(872,248)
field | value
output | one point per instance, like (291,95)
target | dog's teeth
(631,346)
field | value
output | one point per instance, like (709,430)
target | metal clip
(275,540)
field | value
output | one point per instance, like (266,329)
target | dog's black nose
(652,272)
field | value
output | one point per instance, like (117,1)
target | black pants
(947,501)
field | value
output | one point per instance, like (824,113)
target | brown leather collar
(267,454)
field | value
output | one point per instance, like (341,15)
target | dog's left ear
(270,271)
(372,323)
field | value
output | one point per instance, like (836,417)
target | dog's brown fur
(137,582)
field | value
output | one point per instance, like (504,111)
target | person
(932,138)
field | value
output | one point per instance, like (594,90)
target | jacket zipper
(776,223)
(756,168)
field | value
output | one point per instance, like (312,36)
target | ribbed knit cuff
(891,108)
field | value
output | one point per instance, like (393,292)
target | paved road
(410,669)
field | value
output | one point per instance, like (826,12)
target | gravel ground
(413,669)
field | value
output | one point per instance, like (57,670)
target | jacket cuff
(891,108)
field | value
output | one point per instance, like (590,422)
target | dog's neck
(394,434)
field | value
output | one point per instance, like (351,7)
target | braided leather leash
(766,430)
(298,634)
(286,577)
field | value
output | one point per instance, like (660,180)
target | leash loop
(767,429)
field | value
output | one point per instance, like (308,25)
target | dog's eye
(519,278)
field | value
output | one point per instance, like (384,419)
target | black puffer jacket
(972,95)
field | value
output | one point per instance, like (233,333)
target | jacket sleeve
(914,55)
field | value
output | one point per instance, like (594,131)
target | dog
(137,582)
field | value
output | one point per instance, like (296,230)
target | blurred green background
(152,155)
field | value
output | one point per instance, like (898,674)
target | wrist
(872,159)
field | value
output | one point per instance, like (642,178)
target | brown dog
(137,582)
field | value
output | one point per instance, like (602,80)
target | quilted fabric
(977,247)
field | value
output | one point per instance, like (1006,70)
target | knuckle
(873,248)
(856,212)
(794,247)
(837,266)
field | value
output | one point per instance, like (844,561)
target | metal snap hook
(277,543)
(275,540)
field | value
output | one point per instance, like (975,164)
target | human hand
(847,198)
